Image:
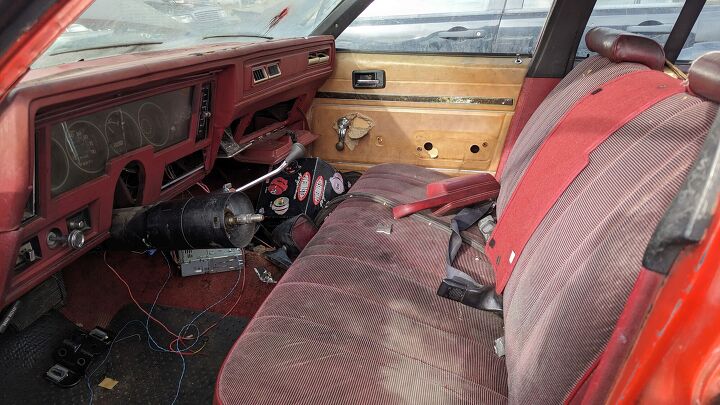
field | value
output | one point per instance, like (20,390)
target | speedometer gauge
(153,124)
(86,146)
(122,132)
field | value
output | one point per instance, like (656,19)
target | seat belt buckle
(452,290)
(482,297)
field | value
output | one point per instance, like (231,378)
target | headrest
(704,76)
(620,46)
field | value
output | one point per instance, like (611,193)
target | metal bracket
(75,355)
(264,275)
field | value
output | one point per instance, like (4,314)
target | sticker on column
(277,186)
(303,186)
(319,190)
(281,205)
(512,256)
(336,181)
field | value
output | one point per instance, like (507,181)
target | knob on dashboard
(75,239)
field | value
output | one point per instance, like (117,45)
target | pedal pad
(75,355)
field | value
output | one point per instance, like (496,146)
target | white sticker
(281,205)
(336,181)
(512,256)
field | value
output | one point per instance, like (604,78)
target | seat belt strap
(564,154)
(458,285)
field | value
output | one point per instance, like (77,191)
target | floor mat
(144,375)
(26,356)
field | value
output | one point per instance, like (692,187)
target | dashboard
(88,137)
(81,148)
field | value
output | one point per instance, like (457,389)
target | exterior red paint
(17,60)
(676,359)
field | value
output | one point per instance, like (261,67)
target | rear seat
(356,318)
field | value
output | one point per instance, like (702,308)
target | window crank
(342,127)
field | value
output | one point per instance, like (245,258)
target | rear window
(652,18)
(655,19)
(448,26)
(705,35)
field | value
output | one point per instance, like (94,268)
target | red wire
(242,290)
(177,338)
(209,328)
(136,302)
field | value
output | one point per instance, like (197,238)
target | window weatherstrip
(504,101)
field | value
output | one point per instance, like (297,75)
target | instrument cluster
(81,147)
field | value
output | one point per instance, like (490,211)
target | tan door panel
(450,113)
(400,135)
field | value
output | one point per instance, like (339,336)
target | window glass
(449,26)
(653,18)
(113,27)
(705,35)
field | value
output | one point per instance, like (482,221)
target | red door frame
(16,61)
(676,358)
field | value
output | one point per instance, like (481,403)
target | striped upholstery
(586,77)
(580,265)
(350,323)
(356,318)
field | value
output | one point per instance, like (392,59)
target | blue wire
(151,341)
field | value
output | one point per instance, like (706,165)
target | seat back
(574,276)
(618,53)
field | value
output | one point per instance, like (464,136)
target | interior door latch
(368,79)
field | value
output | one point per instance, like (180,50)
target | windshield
(113,27)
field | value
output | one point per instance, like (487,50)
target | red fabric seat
(356,318)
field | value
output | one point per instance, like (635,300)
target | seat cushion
(356,320)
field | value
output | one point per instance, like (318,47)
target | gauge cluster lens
(81,147)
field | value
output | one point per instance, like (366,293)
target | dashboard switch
(77,224)
(55,239)
(28,254)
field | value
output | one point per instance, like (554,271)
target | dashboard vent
(273,70)
(205,112)
(259,74)
(318,57)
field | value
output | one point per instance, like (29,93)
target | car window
(653,18)
(705,35)
(113,27)
(448,26)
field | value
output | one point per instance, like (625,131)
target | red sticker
(277,186)
(303,186)
(319,190)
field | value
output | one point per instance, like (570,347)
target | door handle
(463,34)
(368,79)
(367,83)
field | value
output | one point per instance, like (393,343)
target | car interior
(357,201)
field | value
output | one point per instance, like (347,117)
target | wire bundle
(184,342)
